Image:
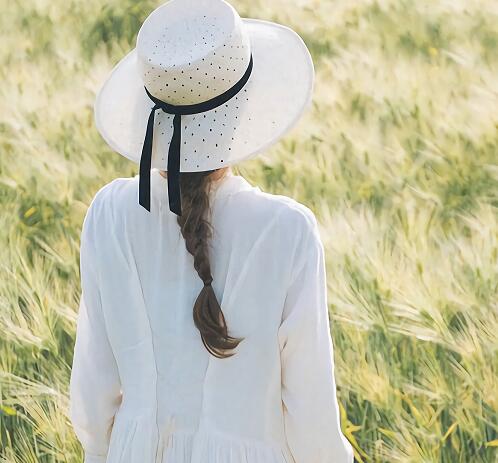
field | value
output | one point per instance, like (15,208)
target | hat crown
(190,51)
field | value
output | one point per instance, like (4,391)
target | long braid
(197,231)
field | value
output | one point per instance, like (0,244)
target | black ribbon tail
(174,196)
(145,163)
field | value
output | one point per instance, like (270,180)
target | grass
(397,158)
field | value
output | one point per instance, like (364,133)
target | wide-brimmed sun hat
(202,89)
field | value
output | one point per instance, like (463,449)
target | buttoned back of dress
(143,386)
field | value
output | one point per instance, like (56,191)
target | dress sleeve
(95,388)
(311,412)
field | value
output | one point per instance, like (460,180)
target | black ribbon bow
(174,147)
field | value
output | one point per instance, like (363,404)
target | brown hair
(196,229)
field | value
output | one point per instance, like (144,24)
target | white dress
(143,387)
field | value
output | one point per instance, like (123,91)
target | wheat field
(397,158)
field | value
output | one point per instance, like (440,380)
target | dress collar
(223,187)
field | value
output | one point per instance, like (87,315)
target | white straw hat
(227,87)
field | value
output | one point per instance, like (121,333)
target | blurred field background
(397,158)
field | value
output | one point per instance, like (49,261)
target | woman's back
(140,367)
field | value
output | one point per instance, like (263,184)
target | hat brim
(277,93)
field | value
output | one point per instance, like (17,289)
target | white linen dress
(143,387)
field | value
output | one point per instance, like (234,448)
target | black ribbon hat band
(175,144)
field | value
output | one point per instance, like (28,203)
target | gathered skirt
(139,440)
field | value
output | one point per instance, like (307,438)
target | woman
(203,330)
